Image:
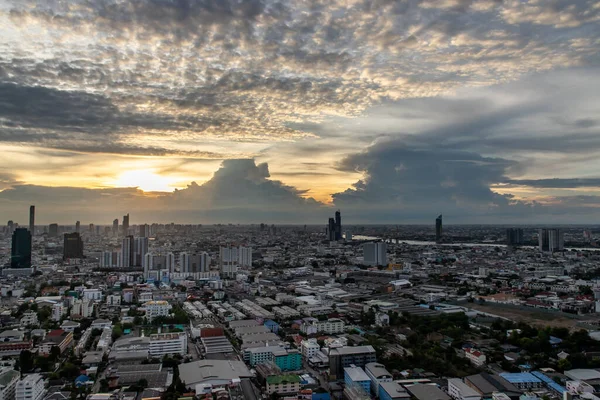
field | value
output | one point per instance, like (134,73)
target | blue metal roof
(550,383)
(520,377)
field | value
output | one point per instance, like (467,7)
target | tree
(44,314)
(104,385)
(25,361)
(117,332)
(69,371)
(564,364)
(54,353)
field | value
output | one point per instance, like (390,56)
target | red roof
(56,332)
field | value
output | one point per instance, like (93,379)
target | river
(430,243)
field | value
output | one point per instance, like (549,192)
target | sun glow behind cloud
(146,180)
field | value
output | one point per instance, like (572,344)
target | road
(322,381)
(192,349)
(250,391)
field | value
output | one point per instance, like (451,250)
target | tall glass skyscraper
(338,225)
(20,255)
(438,228)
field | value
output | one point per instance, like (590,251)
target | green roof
(278,379)
(8,376)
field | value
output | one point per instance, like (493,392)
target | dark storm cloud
(400,176)
(556,183)
(453,149)
(79,121)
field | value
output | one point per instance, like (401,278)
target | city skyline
(285,111)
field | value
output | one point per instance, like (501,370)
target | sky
(282,111)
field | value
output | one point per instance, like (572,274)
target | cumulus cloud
(462,154)
(240,191)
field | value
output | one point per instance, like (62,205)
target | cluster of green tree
(139,386)
(177,387)
(179,317)
(541,352)
(431,357)
(27,362)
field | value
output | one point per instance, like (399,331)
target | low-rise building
(12,336)
(101,324)
(82,309)
(92,294)
(342,357)
(459,390)
(167,343)
(8,349)
(392,391)
(377,373)
(31,387)
(331,326)
(113,300)
(354,375)
(476,357)
(159,308)
(59,338)
(309,348)
(69,326)
(8,383)
(58,311)
(288,360)
(29,318)
(523,380)
(427,392)
(283,384)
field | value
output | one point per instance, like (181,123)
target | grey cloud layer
(219,69)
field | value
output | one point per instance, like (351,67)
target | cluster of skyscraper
(21,246)
(156,266)
(334,227)
(514,236)
(551,240)
(231,258)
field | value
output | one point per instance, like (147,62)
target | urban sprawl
(172,311)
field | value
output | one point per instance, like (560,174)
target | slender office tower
(78,227)
(338,225)
(438,228)
(32,220)
(126,225)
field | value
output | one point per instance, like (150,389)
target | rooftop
(583,374)
(207,370)
(351,350)
(279,379)
(427,392)
(356,374)
(377,370)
